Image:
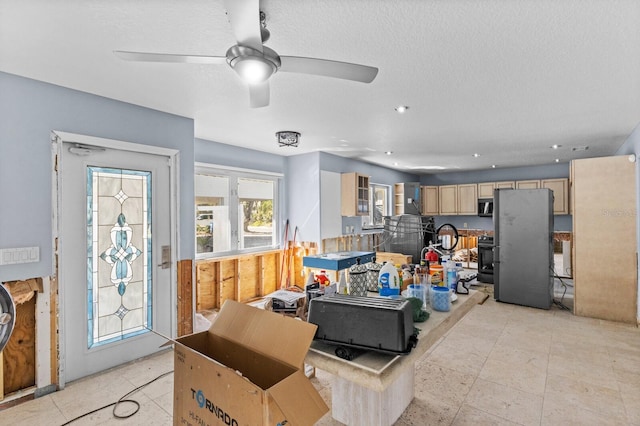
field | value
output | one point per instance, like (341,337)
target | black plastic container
(372,323)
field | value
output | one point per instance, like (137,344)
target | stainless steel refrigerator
(523,246)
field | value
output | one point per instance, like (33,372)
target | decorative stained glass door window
(119,273)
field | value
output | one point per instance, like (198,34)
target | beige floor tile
(631,399)
(505,402)
(89,393)
(165,402)
(581,351)
(39,411)
(526,336)
(576,393)
(478,327)
(462,354)
(161,385)
(150,413)
(589,372)
(471,416)
(434,381)
(519,369)
(428,412)
(556,412)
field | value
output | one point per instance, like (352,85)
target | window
(235,211)
(379,203)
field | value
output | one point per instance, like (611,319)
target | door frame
(58,138)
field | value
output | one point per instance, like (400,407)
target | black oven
(485,259)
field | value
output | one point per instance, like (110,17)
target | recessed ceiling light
(401,109)
(555,146)
(476,155)
(557,160)
(493,166)
(388,152)
(395,164)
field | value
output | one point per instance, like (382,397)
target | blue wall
(30,110)
(210,152)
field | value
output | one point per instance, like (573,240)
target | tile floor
(500,365)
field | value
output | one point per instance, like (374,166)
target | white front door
(115,284)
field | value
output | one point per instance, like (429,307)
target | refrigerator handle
(496,254)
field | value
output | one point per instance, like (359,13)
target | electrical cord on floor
(560,303)
(119,401)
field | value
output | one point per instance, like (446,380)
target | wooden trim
(185,297)
(53,327)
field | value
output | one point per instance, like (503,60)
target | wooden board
(206,285)
(19,355)
(185,297)
(395,258)
(249,278)
(605,245)
(242,278)
(227,281)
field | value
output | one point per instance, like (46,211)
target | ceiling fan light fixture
(254,69)
(252,65)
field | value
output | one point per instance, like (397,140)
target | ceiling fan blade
(169,57)
(259,95)
(343,70)
(244,16)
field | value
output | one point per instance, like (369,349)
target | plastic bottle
(452,277)
(342,283)
(445,272)
(388,280)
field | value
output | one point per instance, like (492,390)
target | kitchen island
(376,388)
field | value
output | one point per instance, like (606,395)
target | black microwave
(485,207)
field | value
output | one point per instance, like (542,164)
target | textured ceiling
(505,79)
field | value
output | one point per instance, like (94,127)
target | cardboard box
(247,369)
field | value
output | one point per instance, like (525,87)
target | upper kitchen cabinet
(407,198)
(528,184)
(485,189)
(430,200)
(448,199)
(506,184)
(560,188)
(355,195)
(468,199)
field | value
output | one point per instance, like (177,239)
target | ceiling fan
(254,62)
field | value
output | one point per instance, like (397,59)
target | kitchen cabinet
(560,188)
(354,195)
(430,200)
(448,199)
(468,199)
(603,198)
(485,189)
(506,184)
(527,184)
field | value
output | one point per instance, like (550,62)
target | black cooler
(371,323)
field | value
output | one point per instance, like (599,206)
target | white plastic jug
(388,280)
